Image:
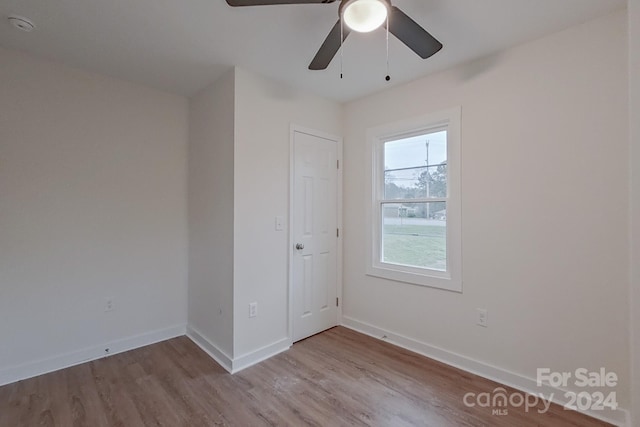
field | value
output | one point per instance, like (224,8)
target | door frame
(338,140)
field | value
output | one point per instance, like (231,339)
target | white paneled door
(315,234)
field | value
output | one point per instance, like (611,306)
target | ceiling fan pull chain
(388,78)
(341,47)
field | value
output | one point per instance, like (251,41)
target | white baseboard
(257,356)
(210,348)
(50,364)
(619,417)
(234,365)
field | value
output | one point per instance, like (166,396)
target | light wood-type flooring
(336,378)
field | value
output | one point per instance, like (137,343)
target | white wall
(264,112)
(238,184)
(634,114)
(92,205)
(545,207)
(211,145)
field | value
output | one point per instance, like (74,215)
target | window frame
(451,279)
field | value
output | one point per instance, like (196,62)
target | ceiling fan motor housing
(345,3)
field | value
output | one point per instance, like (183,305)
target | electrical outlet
(109,304)
(253,309)
(482,317)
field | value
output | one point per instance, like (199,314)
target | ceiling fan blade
(329,48)
(412,34)
(236,3)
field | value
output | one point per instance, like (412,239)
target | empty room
(320,212)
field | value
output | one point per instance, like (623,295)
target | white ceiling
(183,45)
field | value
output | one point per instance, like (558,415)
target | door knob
(299,246)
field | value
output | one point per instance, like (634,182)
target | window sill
(432,279)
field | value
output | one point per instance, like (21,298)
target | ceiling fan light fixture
(365,16)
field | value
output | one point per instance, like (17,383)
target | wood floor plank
(337,378)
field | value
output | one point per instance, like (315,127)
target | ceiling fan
(362,16)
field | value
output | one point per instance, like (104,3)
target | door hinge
(337,232)
(337,164)
(337,302)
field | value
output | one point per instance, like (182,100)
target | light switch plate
(279,223)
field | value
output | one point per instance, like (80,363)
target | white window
(414,221)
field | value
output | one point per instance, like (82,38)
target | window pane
(415,234)
(416,167)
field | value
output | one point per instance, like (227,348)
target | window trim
(450,280)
